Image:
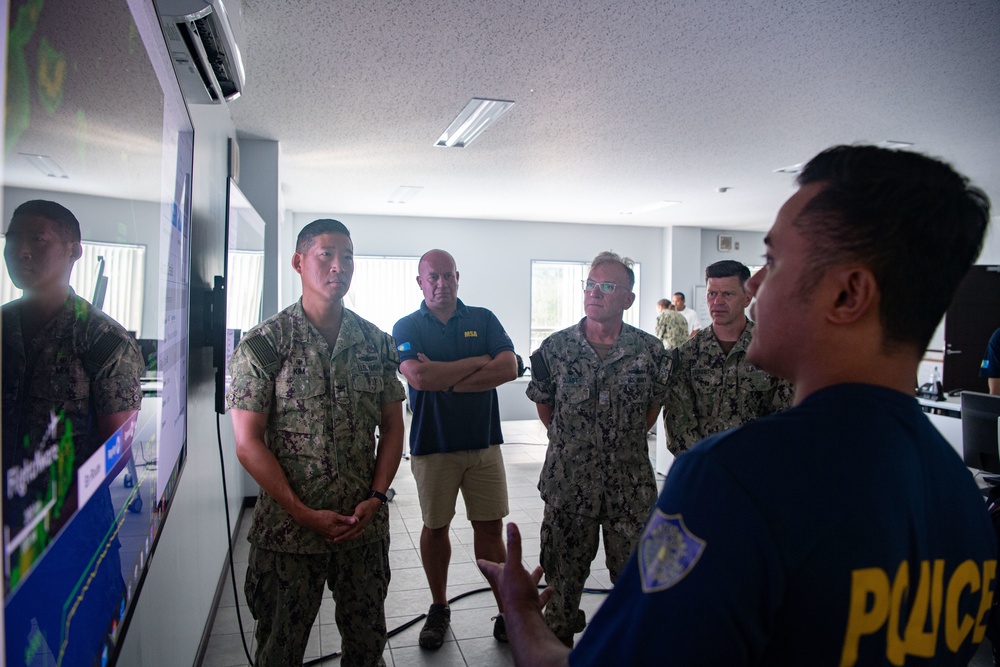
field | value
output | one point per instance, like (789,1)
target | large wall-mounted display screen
(94,384)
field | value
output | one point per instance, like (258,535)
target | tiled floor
(470,640)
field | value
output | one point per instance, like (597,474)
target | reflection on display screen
(94,398)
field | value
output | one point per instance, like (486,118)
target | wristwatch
(382,498)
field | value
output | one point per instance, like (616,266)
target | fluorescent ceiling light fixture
(404,193)
(794,169)
(477,115)
(656,205)
(889,143)
(45,164)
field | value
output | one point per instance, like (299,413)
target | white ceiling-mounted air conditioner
(202,39)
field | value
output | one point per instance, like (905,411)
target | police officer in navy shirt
(843,531)
(453,357)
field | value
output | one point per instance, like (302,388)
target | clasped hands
(337,528)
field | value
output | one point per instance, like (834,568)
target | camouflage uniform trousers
(569,543)
(284,592)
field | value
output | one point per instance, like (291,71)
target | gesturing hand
(517,587)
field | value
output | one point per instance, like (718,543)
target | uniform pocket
(575,395)
(299,400)
(367,384)
(260,572)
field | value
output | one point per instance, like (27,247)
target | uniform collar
(461,310)
(617,350)
(742,343)
(303,330)
(59,326)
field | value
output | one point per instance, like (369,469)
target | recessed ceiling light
(405,193)
(794,169)
(653,206)
(477,115)
(45,164)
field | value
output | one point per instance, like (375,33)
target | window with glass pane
(557,298)
(384,289)
(125,267)
(246,268)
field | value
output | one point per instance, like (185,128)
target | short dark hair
(728,268)
(681,295)
(915,222)
(69,226)
(317,228)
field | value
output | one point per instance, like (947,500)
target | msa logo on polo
(934,600)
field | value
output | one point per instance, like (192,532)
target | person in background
(671,326)
(843,531)
(990,368)
(310,387)
(690,314)
(454,357)
(598,387)
(713,386)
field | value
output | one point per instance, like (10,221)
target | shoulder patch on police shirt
(263,351)
(667,552)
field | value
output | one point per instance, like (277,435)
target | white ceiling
(618,103)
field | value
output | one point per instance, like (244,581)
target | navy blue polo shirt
(990,367)
(445,421)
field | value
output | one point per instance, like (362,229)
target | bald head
(436,257)
(438,280)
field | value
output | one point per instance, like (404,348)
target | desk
(947,418)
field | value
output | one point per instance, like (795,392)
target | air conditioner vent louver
(204,50)
(219,60)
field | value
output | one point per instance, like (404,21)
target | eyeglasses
(590,285)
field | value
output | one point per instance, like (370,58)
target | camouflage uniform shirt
(711,391)
(597,462)
(80,365)
(323,406)
(671,328)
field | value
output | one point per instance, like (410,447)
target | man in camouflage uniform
(671,326)
(598,387)
(70,381)
(712,385)
(310,386)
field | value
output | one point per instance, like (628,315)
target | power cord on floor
(229,539)
(236,597)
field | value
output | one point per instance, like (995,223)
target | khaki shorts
(479,473)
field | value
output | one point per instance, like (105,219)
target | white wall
(748,247)
(991,246)
(686,267)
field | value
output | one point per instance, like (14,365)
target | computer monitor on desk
(981,431)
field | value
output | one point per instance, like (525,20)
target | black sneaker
(500,628)
(436,625)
